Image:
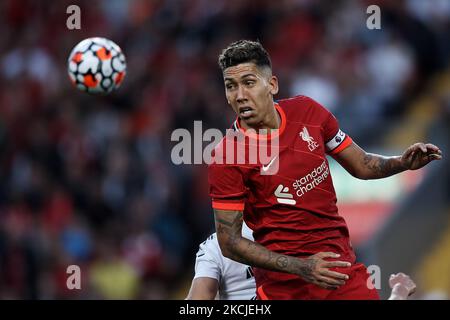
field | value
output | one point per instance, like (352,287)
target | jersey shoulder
(209,247)
(208,260)
(303,108)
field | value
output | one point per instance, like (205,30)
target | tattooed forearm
(282,262)
(230,223)
(380,166)
(251,253)
(234,246)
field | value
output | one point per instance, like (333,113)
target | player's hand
(317,270)
(420,154)
(402,285)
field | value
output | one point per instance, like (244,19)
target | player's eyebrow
(248,75)
(242,77)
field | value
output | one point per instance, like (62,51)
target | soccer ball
(97,65)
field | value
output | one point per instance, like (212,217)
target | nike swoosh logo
(266,167)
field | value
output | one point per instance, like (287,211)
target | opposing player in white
(216,275)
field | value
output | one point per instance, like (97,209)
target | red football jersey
(293,211)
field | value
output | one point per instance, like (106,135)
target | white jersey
(236,280)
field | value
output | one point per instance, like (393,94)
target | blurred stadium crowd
(89,180)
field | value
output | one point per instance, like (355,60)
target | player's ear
(273,83)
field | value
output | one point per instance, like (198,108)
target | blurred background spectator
(89,180)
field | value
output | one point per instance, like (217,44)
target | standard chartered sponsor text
(311,180)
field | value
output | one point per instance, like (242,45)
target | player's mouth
(246,112)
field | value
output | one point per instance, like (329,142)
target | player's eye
(229,86)
(249,83)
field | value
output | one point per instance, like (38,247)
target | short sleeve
(334,138)
(208,262)
(226,187)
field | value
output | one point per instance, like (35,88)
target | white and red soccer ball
(97,65)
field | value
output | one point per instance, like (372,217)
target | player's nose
(241,95)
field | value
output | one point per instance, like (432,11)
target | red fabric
(228,205)
(281,286)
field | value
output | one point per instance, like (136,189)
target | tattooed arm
(313,269)
(365,165)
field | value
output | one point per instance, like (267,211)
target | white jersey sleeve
(209,260)
(236,280)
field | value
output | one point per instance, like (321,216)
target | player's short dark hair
(243,51)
